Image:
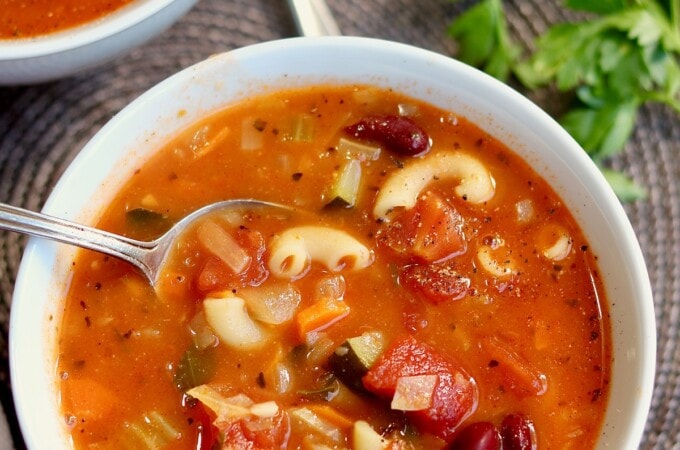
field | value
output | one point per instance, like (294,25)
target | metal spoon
(313,18)
(148,256)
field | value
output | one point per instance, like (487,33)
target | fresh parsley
(623,54)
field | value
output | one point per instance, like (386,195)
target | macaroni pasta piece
(295,248)
(475,183)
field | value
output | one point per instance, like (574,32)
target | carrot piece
(88,399)
(521,376)
(320,315)
(332,415)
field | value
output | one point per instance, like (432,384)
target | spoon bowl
(148,256)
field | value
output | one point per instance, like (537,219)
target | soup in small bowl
(448,270)
(45,40)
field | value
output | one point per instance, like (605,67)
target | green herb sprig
(621,56)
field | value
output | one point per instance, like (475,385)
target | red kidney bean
(517,433)
(400,134)
(477,436)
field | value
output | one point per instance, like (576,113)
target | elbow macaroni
(295,248)
(230,320)
(561,244)
(476,184)
(499,267)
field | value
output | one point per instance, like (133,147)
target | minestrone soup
(423,288)
(30,18)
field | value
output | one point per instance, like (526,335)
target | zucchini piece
(355,356)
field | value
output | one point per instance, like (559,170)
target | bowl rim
(81,35)
(602,195)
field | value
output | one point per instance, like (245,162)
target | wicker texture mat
(43,127)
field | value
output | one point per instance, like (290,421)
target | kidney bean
(517,433)
(398,133)
(477,436)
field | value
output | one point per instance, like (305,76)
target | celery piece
(151,431)
(345,188)
(300,128)
(357,150)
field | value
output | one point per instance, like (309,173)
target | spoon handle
(313,18)
(41,225)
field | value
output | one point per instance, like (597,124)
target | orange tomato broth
(30,18)
(121,345)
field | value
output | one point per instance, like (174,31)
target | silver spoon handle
(313,18)
(50,227)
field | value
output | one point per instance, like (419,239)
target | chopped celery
(357,150)
(151,431)
(345,188)
(300,128)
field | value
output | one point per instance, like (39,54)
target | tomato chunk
(255,433)
(430,231)
(435,282)
(454,396)
(216,275)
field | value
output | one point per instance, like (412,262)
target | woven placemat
(43,127)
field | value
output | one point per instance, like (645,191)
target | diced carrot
(521,377)
(88,399)
(320,315)
(332,415)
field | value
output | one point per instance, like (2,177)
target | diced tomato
(206,434)
(258,433)
(435,282)
(216,275)
(430,231)
(455,395)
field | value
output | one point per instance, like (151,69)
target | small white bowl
(56,55)
(133,135)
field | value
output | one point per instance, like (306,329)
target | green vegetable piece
(598,6)
(345,189)
(195,368)
(147,224)
(483,39)
(355,356)
(151,431)
(624,188)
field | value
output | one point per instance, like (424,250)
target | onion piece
(357,150)
(525,211)
(414,393)
(309,421)
(220,243)
(252,136)
(273,304)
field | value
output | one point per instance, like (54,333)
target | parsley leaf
(484,40)
(622,56)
